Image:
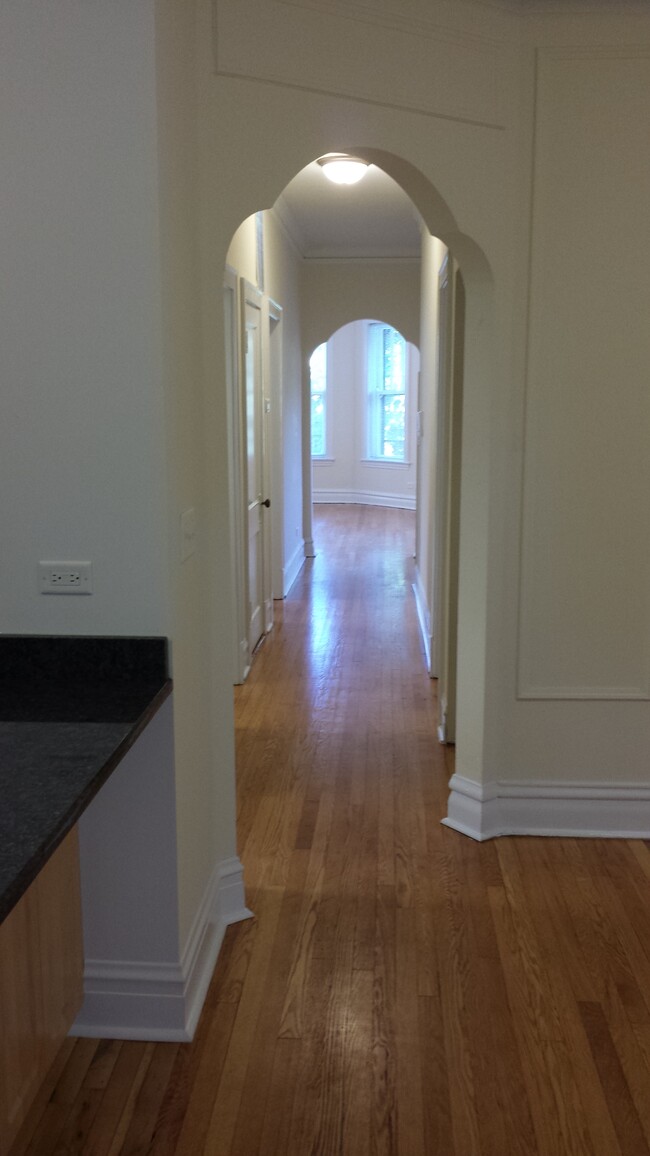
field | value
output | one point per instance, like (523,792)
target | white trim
(364,498)
(423,618)
(588,693)
(288,226)
(347,258)
(387,463)
(569,810)
(292,568)
(310,549)
(232,336)
(140,1000)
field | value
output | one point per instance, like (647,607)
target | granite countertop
(70,708)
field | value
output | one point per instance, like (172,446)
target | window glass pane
(393,427)
(387,394)
(394,361)
(317,425)
(318,374)
(318,369)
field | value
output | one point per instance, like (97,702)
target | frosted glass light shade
(343,170)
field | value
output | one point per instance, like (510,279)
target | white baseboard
(293,567)
(363,498)
(137,1000)
(424,619)
(575,810)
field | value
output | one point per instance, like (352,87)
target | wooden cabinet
(41,982)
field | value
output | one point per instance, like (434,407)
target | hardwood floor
(402,989)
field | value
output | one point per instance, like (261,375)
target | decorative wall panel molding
(386,55)
(596,52)
(584,613)
(405,17)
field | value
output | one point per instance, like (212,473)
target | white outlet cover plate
(65,577)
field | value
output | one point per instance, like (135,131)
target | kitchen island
(70,710)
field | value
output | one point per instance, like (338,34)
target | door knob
(266,502)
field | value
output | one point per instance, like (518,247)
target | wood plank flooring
(402,990)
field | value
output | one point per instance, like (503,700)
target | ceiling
(374,218)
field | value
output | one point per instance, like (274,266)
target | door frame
(273,330)
(235,418)
(447,506)
(238,292)
(253,298)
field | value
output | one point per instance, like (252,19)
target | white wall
(102,420)
(346,475)
(584,615)
(335,292)
(82,455)
(470,145)
(121,190)
(247,161)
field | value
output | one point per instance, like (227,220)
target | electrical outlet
(65,577)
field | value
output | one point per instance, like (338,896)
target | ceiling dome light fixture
(343,169)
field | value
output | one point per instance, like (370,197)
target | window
(386,394)
(318,374)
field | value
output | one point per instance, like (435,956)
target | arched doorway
(440,232)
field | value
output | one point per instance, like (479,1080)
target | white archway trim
(587,810)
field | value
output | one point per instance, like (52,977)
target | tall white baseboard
(364,498)
(137,1000)
(293,567)
(587,810)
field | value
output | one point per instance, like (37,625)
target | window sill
(385,463)
(324,460)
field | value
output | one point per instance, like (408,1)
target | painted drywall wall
(101,365)
(203,713)
(338,291)
(584,621)
(82,458)
(455,127)
(437,160)
(347,475)
(242,250)
(483,173)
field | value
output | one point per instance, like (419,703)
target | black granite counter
(70,708)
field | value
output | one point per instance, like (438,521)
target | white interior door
(255,472)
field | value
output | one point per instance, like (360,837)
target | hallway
(402,990)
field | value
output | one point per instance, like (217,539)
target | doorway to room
(322,292)
(363,415)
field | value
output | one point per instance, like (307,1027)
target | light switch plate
(188,533)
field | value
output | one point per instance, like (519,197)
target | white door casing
(254,471)
(232,325)
(274,458)
(447,513)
